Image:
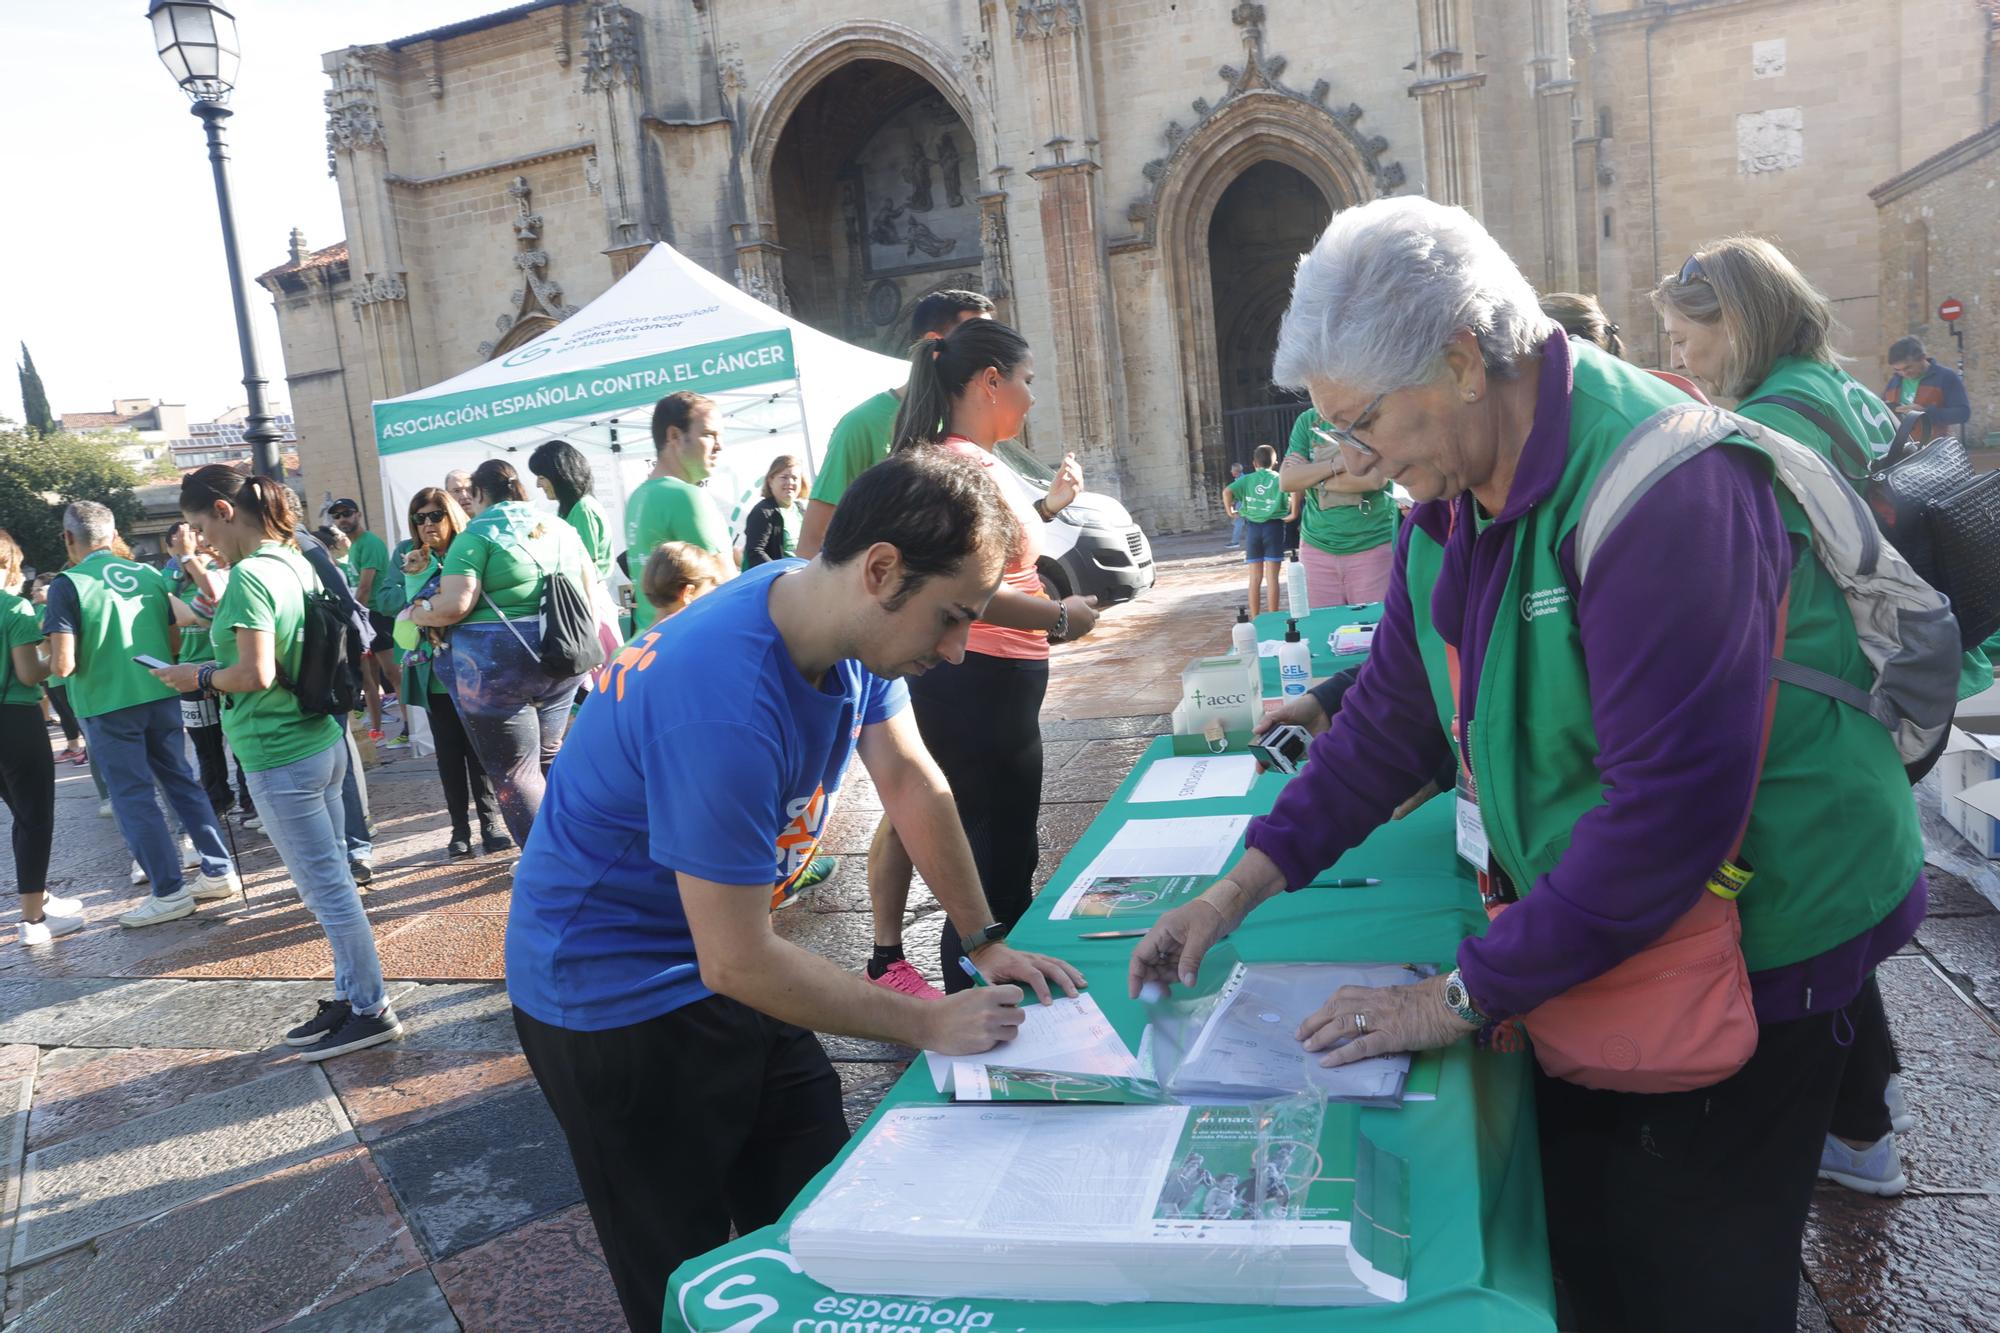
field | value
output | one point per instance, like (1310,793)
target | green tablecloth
(1479,1252)
(1314,629)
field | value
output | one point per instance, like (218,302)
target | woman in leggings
(437,519)
(981,718)
(27,770)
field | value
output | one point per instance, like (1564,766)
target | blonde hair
(1582,317)
(1766,307)
(10,558)
(676,565)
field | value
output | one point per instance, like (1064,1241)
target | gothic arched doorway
(1266,218)
(874,185)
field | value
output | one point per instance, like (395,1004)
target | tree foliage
(34,399)
(40,473)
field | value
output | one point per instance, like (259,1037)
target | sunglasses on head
(1692,271)
(429,516)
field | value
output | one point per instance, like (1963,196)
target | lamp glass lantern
(197,43)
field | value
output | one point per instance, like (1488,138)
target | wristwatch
(1460,1000)
(982,937)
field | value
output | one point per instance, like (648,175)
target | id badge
(1471,831)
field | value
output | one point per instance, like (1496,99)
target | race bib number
(1471,832)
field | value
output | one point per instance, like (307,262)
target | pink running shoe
(899,976)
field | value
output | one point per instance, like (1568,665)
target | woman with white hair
(1612,731)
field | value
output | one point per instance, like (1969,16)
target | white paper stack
(1082,1203)
(1069,1034)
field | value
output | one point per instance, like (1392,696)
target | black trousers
(1686,1210)
(28,785)
(982,721)
(1859,1111)
(204,728)
(458,769)
(59,700)
(710,1115)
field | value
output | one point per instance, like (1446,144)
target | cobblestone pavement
(163,1167)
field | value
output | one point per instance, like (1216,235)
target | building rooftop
(459,29)
(332,254)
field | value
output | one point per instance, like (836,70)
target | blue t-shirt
(705,751)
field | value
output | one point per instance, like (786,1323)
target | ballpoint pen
(1346,883)
(978,978)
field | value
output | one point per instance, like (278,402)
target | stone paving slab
(858,1049)
(441,886)
(61,1012)
(549,1274)
(82,1089)
(1969,948)
(100,1182)
(862,1088)
(275,940)
(1890,1265)
(1951,1077)
(16,1096)
(244,1259)
(1953,895)
(445,947)
(466,1016)
(1105,728)
(104,949)
(217,1015)
(410,1304)
(388,1089)
(480,1171)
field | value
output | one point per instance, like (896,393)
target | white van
(1093,548)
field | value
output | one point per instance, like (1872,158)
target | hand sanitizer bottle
(1297,604)
(1294,663)
(1243,636)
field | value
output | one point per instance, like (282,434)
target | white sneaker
(139,875)
(155,911)
(190,858)
(104,808)
(54,904)
(1900,1117)
(49,927)
(212,888)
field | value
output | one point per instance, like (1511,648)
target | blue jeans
(1263,542)
(354,804)
(300,805)
(135,749)
(1236,531)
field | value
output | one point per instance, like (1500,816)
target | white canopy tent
(669,324)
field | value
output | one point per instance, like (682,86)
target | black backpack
(570,645)
(329,680)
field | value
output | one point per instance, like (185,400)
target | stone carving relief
(353,111)
(758,283)
(610,47)
(1767,59)
(1770,140)
(376,288)
(1262,73)
(541,296)
(1048,18)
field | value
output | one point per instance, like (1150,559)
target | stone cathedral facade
(1131,180)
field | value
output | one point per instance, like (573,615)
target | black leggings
(982,721)
(28,785)
(458,768)
(59,700)
(1859,1111)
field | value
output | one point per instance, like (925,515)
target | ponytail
(267,500)
(940,368)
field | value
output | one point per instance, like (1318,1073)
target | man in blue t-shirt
(664,1019)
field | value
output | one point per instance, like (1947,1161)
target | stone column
(610,59)
(760,264)
(1447,88)
(357,155)
(1055,63)
(1557,129)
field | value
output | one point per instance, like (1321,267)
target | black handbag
(1938,513)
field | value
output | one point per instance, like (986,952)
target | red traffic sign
(1950,309)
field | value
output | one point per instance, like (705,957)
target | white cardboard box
(1969,781)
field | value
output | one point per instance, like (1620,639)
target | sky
(116,278)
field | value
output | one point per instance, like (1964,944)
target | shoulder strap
(1855,459)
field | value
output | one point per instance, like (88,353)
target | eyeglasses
(1344,435)
(429,516)
(342,513)
(1692,271)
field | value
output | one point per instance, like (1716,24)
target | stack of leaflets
(1242,1041)
(1069,1035)
(1151,865)
(1281,1203)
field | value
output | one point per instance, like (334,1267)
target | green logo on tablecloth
(732,1285)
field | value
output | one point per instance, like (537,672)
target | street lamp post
(196,40)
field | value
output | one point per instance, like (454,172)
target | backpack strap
(1856,459)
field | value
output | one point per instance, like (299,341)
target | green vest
(1833,832)
(123,610)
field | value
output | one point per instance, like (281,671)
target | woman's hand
(1082,617)
(1066,487)
(1391,1019)
(1173,949)
(181,678)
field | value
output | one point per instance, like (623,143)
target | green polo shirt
(667,509)
(1339,529)
(501,548)
(266,728)
(860,440)
(19,627)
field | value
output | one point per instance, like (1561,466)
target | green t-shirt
(19,627)
(266,728)
(860,440)
(194,639)
(587,517)
(1260,496)
(122,610)
(499,550)
(667,509)
(423,680)
(1339,529)
(371,552)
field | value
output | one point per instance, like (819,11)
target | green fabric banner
(757,358)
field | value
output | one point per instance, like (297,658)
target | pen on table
(978,978)
(1346,883)
(1112,935)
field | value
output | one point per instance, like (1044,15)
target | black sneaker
(494,840)
(359,1032)
(332,1013)
(364,874)
(459,847)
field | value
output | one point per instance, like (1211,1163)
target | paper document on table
(1196,777)
(1351,639)
(1153,848)
(997,1083)
(1070,1036)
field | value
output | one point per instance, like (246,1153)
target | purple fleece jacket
(1677,624)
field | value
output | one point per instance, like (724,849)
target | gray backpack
(1905,626)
